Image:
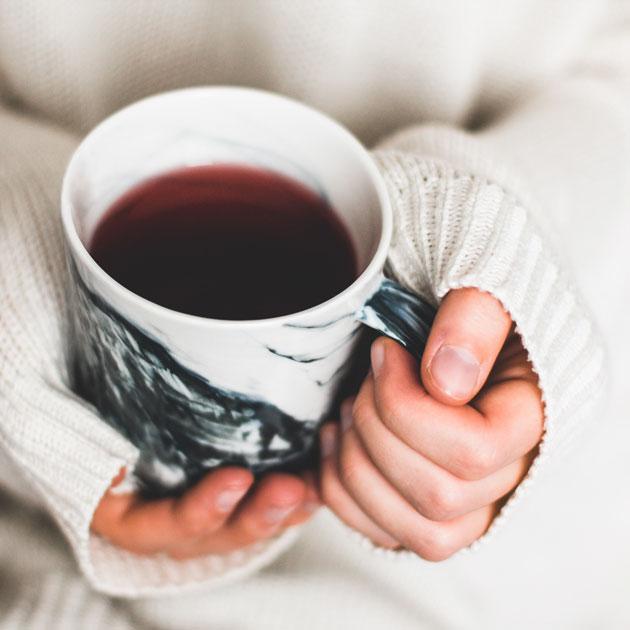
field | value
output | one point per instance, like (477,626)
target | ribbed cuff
(457,229)
(71,460)
(65,452)
(123,574)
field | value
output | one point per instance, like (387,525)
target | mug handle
(399,314)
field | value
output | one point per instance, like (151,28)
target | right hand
(223,512)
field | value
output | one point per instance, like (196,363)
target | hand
(223,512)
(425,461)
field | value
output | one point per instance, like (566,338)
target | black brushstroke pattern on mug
(400,314)
(183,425)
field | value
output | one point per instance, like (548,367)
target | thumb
(468,333)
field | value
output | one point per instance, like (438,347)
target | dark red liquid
(227,242)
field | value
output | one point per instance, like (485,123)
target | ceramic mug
(196,393)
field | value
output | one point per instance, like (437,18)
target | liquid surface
(227,242)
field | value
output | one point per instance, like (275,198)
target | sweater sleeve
(54,449)
(522,208)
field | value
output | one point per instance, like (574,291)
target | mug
(196,393)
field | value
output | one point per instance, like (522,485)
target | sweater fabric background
(502,130)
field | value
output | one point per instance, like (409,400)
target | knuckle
(350,467)
(383,540)
(349,471)
(395,406)
(193,525)
(329,491)
(443,502)
(242,539)
(360,413)
(477,459)
(436,545)
(301,516)
(535,412)
(251,528)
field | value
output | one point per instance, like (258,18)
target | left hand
(223,512)
(423,460)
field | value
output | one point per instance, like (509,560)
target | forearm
(516,209)
(57,451)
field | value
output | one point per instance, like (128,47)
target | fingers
(385,507)
(152,526)
(432,491)
(470,443)
(221,513)
(310,504)
(261,515)
(513,363)
(209,504)
(427,458)
(468,333)
(337,498)
(276,498)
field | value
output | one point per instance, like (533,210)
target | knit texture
(457,229)
(508,209)
(67,455)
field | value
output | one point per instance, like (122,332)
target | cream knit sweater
(502,129)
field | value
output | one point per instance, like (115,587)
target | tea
(227,242)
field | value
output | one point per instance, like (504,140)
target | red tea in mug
(227,242)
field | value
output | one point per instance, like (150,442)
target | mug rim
(373,268)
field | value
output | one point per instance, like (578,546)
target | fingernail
(229,498)
(378,356)
(455,371)
(327,443)
(346,414)
(277,514)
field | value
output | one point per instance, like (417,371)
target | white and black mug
(196,393)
